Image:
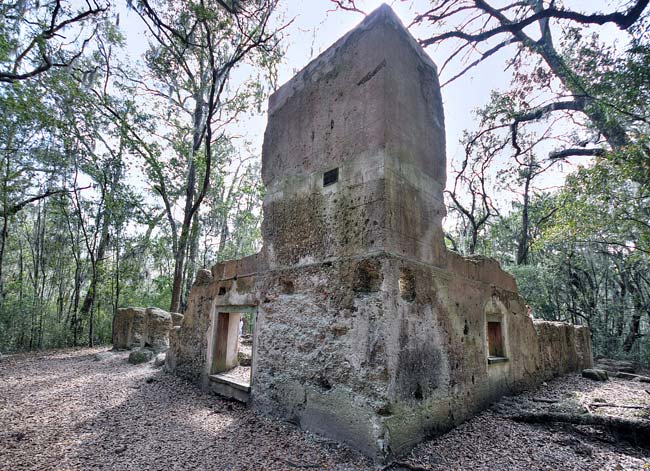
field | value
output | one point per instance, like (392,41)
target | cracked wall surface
(136,327)
(368,330)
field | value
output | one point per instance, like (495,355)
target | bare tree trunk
(75,305)
(96,261)
(522,244)
(36,249)
(5,223)
(223,237)
(3,240)
(116,302)
(472,246)
(179,261)
(21,281)
(634,332)
(76,244)
(41,291)
(190,207)
(191,258)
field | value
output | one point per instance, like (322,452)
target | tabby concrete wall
(343,350)
(368,331)
(139,327)
(232,283)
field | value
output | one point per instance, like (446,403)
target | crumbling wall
(230,283)
(381,352)
(562,348)
(127,328)
(368,330)
(465,380)
(139,327)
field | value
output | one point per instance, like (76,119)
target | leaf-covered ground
(62,410)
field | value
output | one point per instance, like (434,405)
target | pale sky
(317,25)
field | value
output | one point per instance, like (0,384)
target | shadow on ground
(64,411)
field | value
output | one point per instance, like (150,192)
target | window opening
(330,177)
(496,348)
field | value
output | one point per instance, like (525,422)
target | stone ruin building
(143,330)
(366,329)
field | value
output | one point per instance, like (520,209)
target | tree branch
(574,152)
(622,20)
(574,105)
(40,41)
(15,208)
(347,5)
(483,56)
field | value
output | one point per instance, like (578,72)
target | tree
(84,131)
(469,195)
(198,46)
(36,38)
(602,207)
(53,144)
(478,25)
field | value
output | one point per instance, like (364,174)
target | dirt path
(64,411)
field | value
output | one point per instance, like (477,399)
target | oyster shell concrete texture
(136,327)
(367,330)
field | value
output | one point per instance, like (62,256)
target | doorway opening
(232,350)
(226,345)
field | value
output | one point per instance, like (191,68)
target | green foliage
(537,285)
(589,261)
(87,150)
(605,204)
(580,253)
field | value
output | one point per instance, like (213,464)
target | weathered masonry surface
(136,327)
(368,330)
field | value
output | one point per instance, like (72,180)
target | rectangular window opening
(496,349)
(330,177)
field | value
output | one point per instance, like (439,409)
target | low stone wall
(562,348)
(136,327)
